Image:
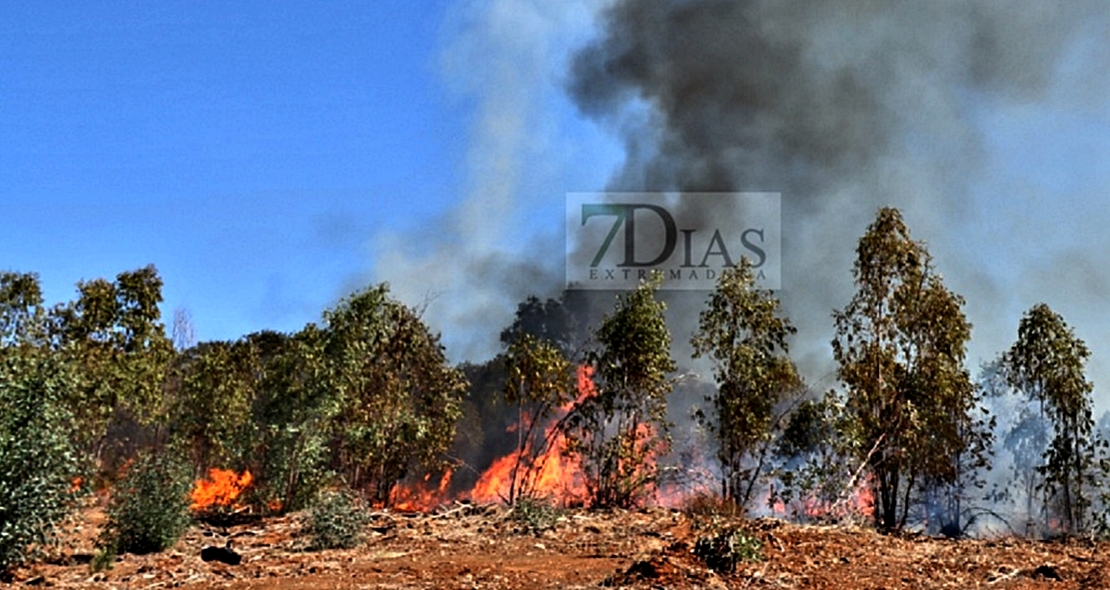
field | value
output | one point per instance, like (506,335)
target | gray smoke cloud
(840,106)
(504,59)
(844,107)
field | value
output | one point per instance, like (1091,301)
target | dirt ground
(468,546)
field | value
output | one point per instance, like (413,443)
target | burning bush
(220,491)
(397,397)
(540,385)
(621,430)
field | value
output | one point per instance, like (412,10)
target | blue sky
(252,150)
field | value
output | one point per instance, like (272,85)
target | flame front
(420,497)
(222,488)
(552,474)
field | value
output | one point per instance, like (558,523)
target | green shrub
(37,460)
(336,521)
(536,514)
(722,552)
(150,506)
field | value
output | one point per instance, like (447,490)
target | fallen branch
(855,476)
(1005,577)
(461,507)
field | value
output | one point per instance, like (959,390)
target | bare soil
(468,546)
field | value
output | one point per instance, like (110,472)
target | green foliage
(536,514)
(37,461)
(336,521)
(722,552)
(1047,363)
(550,321)
(149,510)
(398,397)
(367,396)
(744,334)
(114,337)
(816,479)
(209,392)
(22,316)
(103,559)
(900,345)
(619,432)
(292,414)
(540,380)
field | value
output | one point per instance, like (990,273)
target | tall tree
(114,337)
(210,389)
(540,380)
(743,332)
(621,430)
(399,396)
(1047,362)
(293,413)
(22,315)
(900,345)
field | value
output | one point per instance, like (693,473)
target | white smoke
(508,60)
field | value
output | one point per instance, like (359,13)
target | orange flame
(221,489)
(420,497)
(853,505)
(550,474)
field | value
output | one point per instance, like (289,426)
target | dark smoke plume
(840,106)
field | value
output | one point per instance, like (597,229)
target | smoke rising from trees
(843,107)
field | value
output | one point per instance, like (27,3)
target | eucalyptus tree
(900,345)
(744,333)
(113,336)
(1047,363)
(399,399)
(621,430)
(540,382)
(38,462)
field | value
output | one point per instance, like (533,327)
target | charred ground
(489,546)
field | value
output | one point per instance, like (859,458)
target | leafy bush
(336,521)
(536,514)
(150,506)
(722,552)
(37,461)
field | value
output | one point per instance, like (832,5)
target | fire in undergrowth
(221,489)
(540,468)
(422,496)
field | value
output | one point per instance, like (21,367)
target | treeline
(909,437)
(91,386)
(366,398)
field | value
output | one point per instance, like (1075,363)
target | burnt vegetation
(363,409)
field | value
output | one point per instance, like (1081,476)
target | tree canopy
(900,345)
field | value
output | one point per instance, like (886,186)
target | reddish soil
(466,546)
